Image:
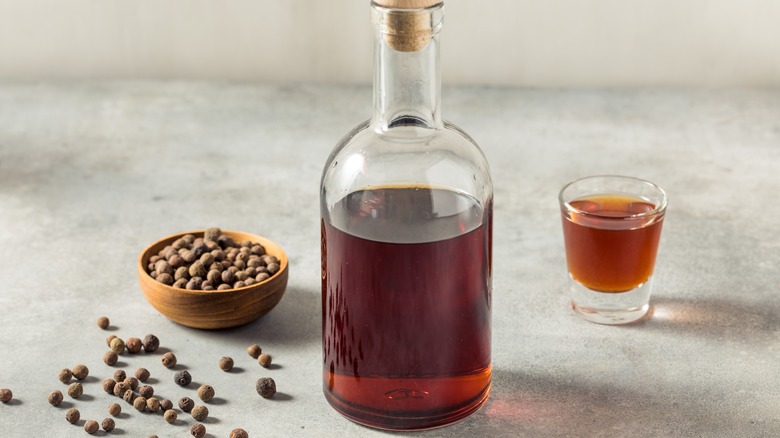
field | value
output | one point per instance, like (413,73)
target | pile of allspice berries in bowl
(214,262)
(213,279)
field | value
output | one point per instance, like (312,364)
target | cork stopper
(407,25)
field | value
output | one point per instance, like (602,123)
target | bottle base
(396,420)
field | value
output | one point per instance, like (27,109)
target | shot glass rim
(658,210)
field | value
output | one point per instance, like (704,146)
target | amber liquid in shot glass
(611,230)
(610,245)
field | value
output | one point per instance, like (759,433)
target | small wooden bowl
(214,309)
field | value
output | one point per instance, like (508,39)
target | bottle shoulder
(445,156)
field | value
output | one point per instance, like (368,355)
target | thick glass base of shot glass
(610,307)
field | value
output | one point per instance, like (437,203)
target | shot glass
(611,229)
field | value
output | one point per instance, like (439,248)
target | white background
(550,43)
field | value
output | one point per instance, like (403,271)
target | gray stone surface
(92,172)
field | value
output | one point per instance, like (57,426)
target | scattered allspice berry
(110,358)
(264,360)
(72,416)
(120,375)
(129,396)
(142,374)
(226,363)
(109,339)
(108,424)
(254,350)
(133,345)
(65,375)
(132,382)
(166,404)
(80,372)
(91,426)
(55,398)
(182,378)
(6,395)
(151,343)
(186,404)
(266,387)
(200,413)
(117,345)
(108,385)
(198,430)
(120,388)
(170,416)
(152,404)
(169,360)
(139,403)
(238,433)
(206,392)
(103,322)
(114,409)
(146,391)
(75,390)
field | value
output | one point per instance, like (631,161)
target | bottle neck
(407,80)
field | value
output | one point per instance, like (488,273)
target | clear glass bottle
(406,203)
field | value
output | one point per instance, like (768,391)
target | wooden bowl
(214,309)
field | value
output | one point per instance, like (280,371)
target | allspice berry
(169,360)
(139,403)
(142,374)
(65,375)
(146,391)
(75,390)
(152,404)
(108,424)
(114,409)
(72,415)
(120,375)
(264,360)
(109,339)
(103,322)
(254,350)
(132,382)
(266,387)
(186,404)
(166,404)
(6,395)
(129,396)
(170,416)
(133,345)
(206,392)
(110,358)
(198,430)
(226,363)
(80,372)
(200,413)
(238,433)
(91,426)
(182,378)
(151,343)
(55,398)
(117,345)
(120,388)
(108,385)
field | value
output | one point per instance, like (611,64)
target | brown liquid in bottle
(608,247)
(407,306)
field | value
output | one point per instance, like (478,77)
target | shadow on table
(728,320)
(296,320)
(555,405)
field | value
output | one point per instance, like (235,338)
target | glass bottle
(406,233)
